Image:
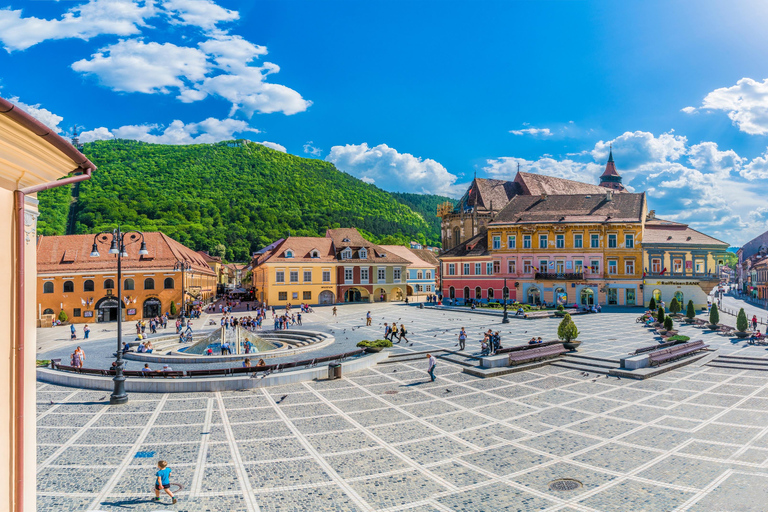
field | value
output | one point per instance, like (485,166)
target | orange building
(85,288)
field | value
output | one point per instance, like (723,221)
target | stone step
(736,366)
(745,358)
(562,363)
(591,363)
(580,356)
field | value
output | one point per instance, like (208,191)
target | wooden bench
(518,348)
(676,352)
(725,330)
(657,347)
(536,354)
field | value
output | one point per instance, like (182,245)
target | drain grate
(564,484)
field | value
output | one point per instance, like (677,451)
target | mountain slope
(236,193)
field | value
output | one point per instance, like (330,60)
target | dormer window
(315,254)
(289,253)
(363,254)
(345,240)
(346,254)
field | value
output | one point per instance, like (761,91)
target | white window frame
(279,276)
(527,241)
(364,277)
(629,240)
(560,241)
(396,274)
(293,273)
(349,275)
(594,269)
(511,241)
(346,253)
(578,241)
(478,269)
(379,272)
(451,269)
(489,268)
(592,238)
(613,267)
(527,266)
(305,276)
(543,241)
(496,242)
(512,266)
(363,253)
(328,272)
(629,267)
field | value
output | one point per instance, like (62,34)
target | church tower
(610,178)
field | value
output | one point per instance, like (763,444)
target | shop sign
(88,314)
(132,311)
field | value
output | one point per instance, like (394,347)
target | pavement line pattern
(200,465)
(242,477)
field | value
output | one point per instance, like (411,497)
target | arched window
(657,295)
(129,285)
(48,311)
(289,253)
(452,292)
(587,297)
(69,287)
(478,293)
(48,287)
(363,254)
(679,297)
(456,237)
(534,296)
(490,293)
(109,284)
(88,285)
(168,283)
(466,292)
(149,284)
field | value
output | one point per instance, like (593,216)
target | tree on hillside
(219,250)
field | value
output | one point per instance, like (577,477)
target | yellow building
(296,270)
(32,158)
(679,262)
(575,248)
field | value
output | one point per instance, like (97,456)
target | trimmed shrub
(652,304)
(668,323)
(560,307)
(567,331)
(714,315)
(63,316)
(674,306)
(690,312)
(173,308)
(660,315)
(741,321)
(678,337)
(374,344)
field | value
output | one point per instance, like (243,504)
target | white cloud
(746,104)
(312,150)
(96,17)
(689,110)
(200,13)
(544,132)
(366,179)
(43,115)
(394,171)
(136,66)
(206,131)
(273,145)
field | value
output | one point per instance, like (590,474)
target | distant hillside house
(85,287)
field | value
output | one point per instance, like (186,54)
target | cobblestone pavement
(386,438)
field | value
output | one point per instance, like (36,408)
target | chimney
(543,197)
(651,215)
(609,195)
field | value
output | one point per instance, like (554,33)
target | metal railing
(560,276)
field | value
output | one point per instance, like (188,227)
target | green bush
(173,308)
(560,307)
(741,321)
(668,323)
(374,344)
(567,331)
(652,304)
(674,306)
(714,315)
(690,312)
(660,315)
(63,316)
(678,337)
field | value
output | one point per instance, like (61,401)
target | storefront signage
(88,314)
(674,283)
(132,311)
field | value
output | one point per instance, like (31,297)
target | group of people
(489,345)
(391,331)
(78,358)
(73,332)
(535,340)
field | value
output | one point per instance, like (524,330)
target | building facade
(468,273)
(85,287)
(421,275)
(679,262)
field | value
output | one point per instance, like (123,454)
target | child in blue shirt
(163,480)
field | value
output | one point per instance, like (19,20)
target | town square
(289,256)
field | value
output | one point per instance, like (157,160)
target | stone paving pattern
(693,439)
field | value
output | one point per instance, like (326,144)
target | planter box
(740,334)
(572,345)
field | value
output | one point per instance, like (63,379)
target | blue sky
(418,96)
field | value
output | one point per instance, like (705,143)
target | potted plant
(652,304)
(567,332)
(63,317)
(714,317)
(669,326)
(660,315)
(741,324)
(560,311)
(674,306)
(374,346)
(690,312)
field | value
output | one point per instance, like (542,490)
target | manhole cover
(390,392)
(564,484)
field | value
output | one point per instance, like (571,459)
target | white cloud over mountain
(206,131)
(394,171)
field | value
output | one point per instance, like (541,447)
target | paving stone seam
(319,458)
(112,482)
(242,477)
(706,490)
(203,451)
(57,404)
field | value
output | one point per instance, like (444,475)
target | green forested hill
(426,206)
(237,193)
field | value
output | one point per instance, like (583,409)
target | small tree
(691,310)
(660,315)
(741,321)
(173,308)
(674,306)
(714,315)
(652,304)
(560,307)
(63,316)
(668,323)
(567,331)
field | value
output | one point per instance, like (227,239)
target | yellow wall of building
(268,289)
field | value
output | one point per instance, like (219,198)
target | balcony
(560,276)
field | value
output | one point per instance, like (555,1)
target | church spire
(610,154)
(611,178)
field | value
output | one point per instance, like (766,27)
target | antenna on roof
(518,166)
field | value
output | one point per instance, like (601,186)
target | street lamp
(183,266)
(117,246)
(505,293)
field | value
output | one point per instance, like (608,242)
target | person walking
(368,318)
(163,480)
(73,334)
(462,339)
(403,332)
(431,366)
(387,330)
(81,356)
(86,331)
(298,318)
(393,332)
(334,310)
(754,322)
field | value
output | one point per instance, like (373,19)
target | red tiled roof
(658,231)
(72,253)
(573,208)
(350,237)
(410,254)
(302,247)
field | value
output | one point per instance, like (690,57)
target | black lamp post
(183,266)
(117,246)
(505,293)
